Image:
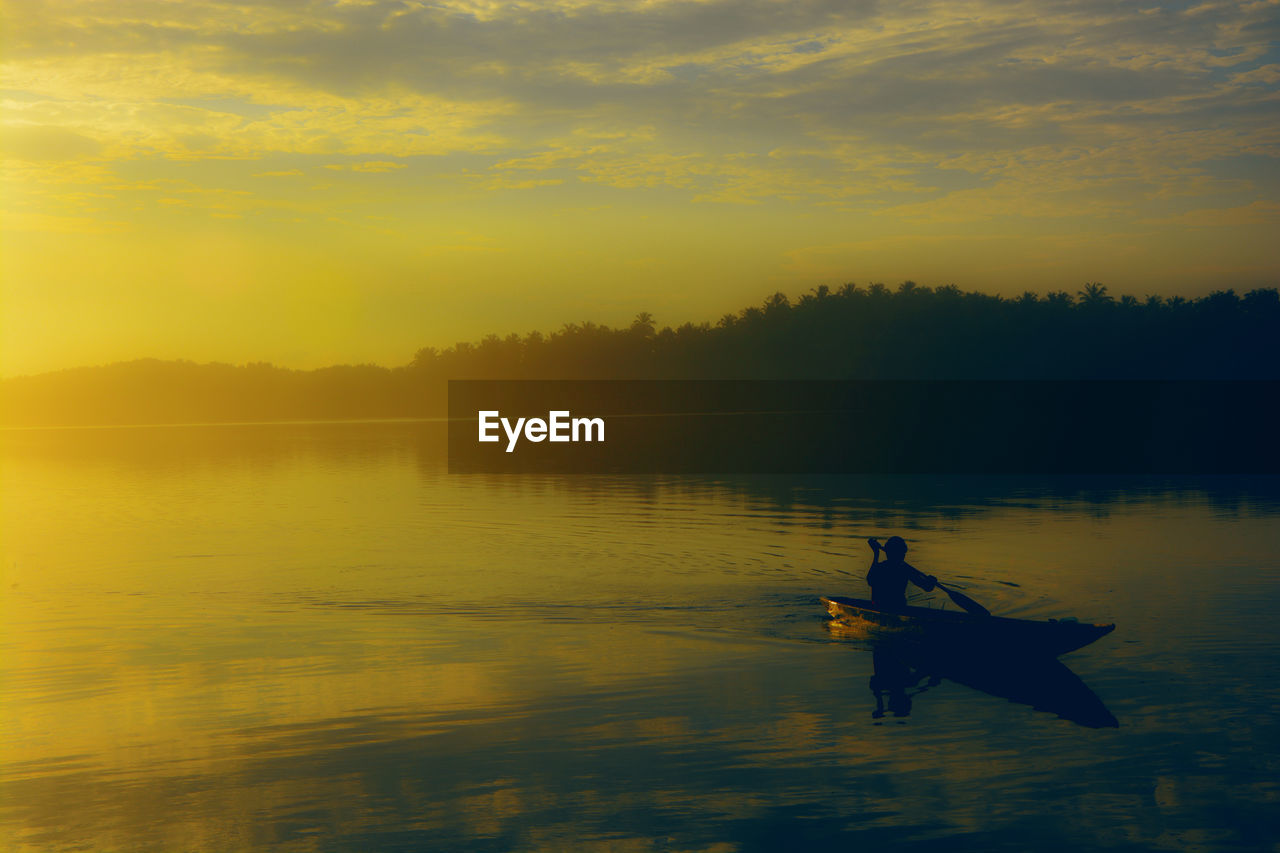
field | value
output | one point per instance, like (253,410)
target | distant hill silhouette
(847,333)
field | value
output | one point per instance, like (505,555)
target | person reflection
(1045,684)
(891,680)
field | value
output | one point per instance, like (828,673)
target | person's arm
(875,559)
(920,579)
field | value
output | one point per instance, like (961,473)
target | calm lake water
(312,637)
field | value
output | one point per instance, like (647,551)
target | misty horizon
(1101,296)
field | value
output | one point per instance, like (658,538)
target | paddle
(964,602)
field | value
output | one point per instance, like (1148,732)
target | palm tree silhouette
(1095,294)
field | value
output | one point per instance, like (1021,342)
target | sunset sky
(310,183)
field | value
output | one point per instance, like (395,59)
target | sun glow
(347,183)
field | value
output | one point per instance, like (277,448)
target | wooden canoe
(995,635)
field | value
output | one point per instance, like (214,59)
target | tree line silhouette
(850,332)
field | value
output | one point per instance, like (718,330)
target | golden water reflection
(313,638)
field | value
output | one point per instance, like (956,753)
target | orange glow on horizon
(236,184)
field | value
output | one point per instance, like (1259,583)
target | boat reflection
(904,670)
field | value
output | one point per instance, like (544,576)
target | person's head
(895,548)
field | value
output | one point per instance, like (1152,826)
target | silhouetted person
(888,579)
